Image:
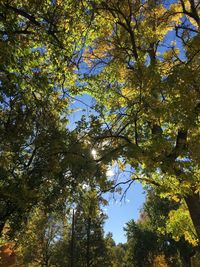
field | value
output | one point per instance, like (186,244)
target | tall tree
(146,55)
(41,161)
(34,244)
(88,241)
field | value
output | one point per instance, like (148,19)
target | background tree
(115,253)
(159,213)
(142,246)
(35,243)
(71,238)
(150,243)
(89,248)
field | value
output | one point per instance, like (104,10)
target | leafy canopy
(144,64)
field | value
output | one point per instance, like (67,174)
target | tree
(41,161)
(146,84)
(47,168)
(179,247)
(35,243)
(115,253)
(142,246)
(89,248)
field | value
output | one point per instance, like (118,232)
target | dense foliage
(145,75)
(139,61)
(41,161)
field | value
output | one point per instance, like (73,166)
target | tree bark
(88,242)
(186,255)
(72,239)
(186,261)
(193,204)
(2,223)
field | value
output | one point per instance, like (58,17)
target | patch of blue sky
(171,41)
(124,204)
(5,37)
(184,159)
(80,106)
(41,49)
(121,211)
(167,3)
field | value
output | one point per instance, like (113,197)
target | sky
(119,211)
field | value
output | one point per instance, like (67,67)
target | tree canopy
(41,160)
(139,61)
(145,76)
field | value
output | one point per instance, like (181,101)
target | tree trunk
(185,259)
(2,223)
(72,239)
(193,204)
(88,242)
(46,263)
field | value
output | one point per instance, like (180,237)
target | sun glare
(94,153)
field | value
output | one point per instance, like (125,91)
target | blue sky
(119,211)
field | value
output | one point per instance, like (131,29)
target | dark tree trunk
(8,208)
(193,204)
(46,263)
(88,242)
(185,260)
(72,240)
(46,258)
(2,223)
